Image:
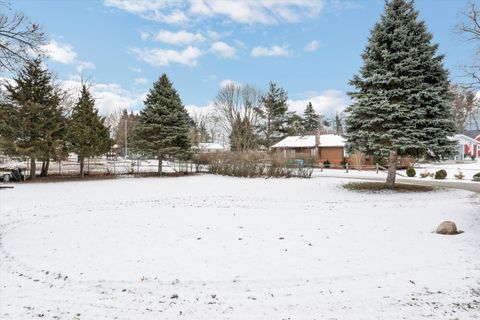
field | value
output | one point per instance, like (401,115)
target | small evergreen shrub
(440,174)
(411,172)
(344,163)
(326,164)
(476,177)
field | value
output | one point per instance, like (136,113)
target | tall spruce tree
(311,120)
(163,126)
(401,106)
(275,114)
(34,121)
(88,134)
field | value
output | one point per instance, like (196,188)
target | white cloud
(270,52)
(140,81)
(109,96)
(134,69)
(58,52)
(168,11)
(327,102)
(165,57)
(312,46)
(223,50)
(178,38)
(241,11)
(227,82)
(200,110)
(84,65)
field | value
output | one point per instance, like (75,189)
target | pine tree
(295,125)
(311,120)
(275,114)
(401,106)
(125,127)
(34,120)
(88,135)
(163,125)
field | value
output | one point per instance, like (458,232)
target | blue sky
(309,47)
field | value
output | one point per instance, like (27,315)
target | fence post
(376,164)
(346,166)
(321,167)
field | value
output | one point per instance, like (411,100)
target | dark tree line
(36,124)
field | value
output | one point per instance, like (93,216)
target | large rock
(447,227)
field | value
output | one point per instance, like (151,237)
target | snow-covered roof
(331,140)
(296,142)
(463,139)
(326,140)
(210,146)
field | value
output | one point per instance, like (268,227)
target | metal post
(376,166)
(346,166)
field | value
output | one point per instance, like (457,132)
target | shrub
(344,163)
(476,177)
(411,172)
(440,174)
(252,169)
(326,164)
(425,174)
(459,175)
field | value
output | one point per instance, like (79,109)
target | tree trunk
(159,165)
(33,168)
(45,166)
(392,168)
(82,164)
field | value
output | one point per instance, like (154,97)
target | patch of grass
(380,186)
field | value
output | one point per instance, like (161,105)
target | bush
(440,174)
(411,172)
(476,177)
(326,164)
(425,174)
(459,175)
(252,169)
(344,163)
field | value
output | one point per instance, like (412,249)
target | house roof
(296,142)
(463,139)
(326,140)
(331,140)
(471,133)
(210,146)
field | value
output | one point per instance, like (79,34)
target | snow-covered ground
(210,247)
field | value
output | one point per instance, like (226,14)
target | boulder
(447,227)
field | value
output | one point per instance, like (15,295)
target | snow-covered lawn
(209,247)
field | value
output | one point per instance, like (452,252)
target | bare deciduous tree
(18,38)
(465,109)
(237,108)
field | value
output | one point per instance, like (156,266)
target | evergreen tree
(311,120)
(163,125)
(295,125)
(88,135)
(34,122)
(123,134)
(401,106)
(275,114)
